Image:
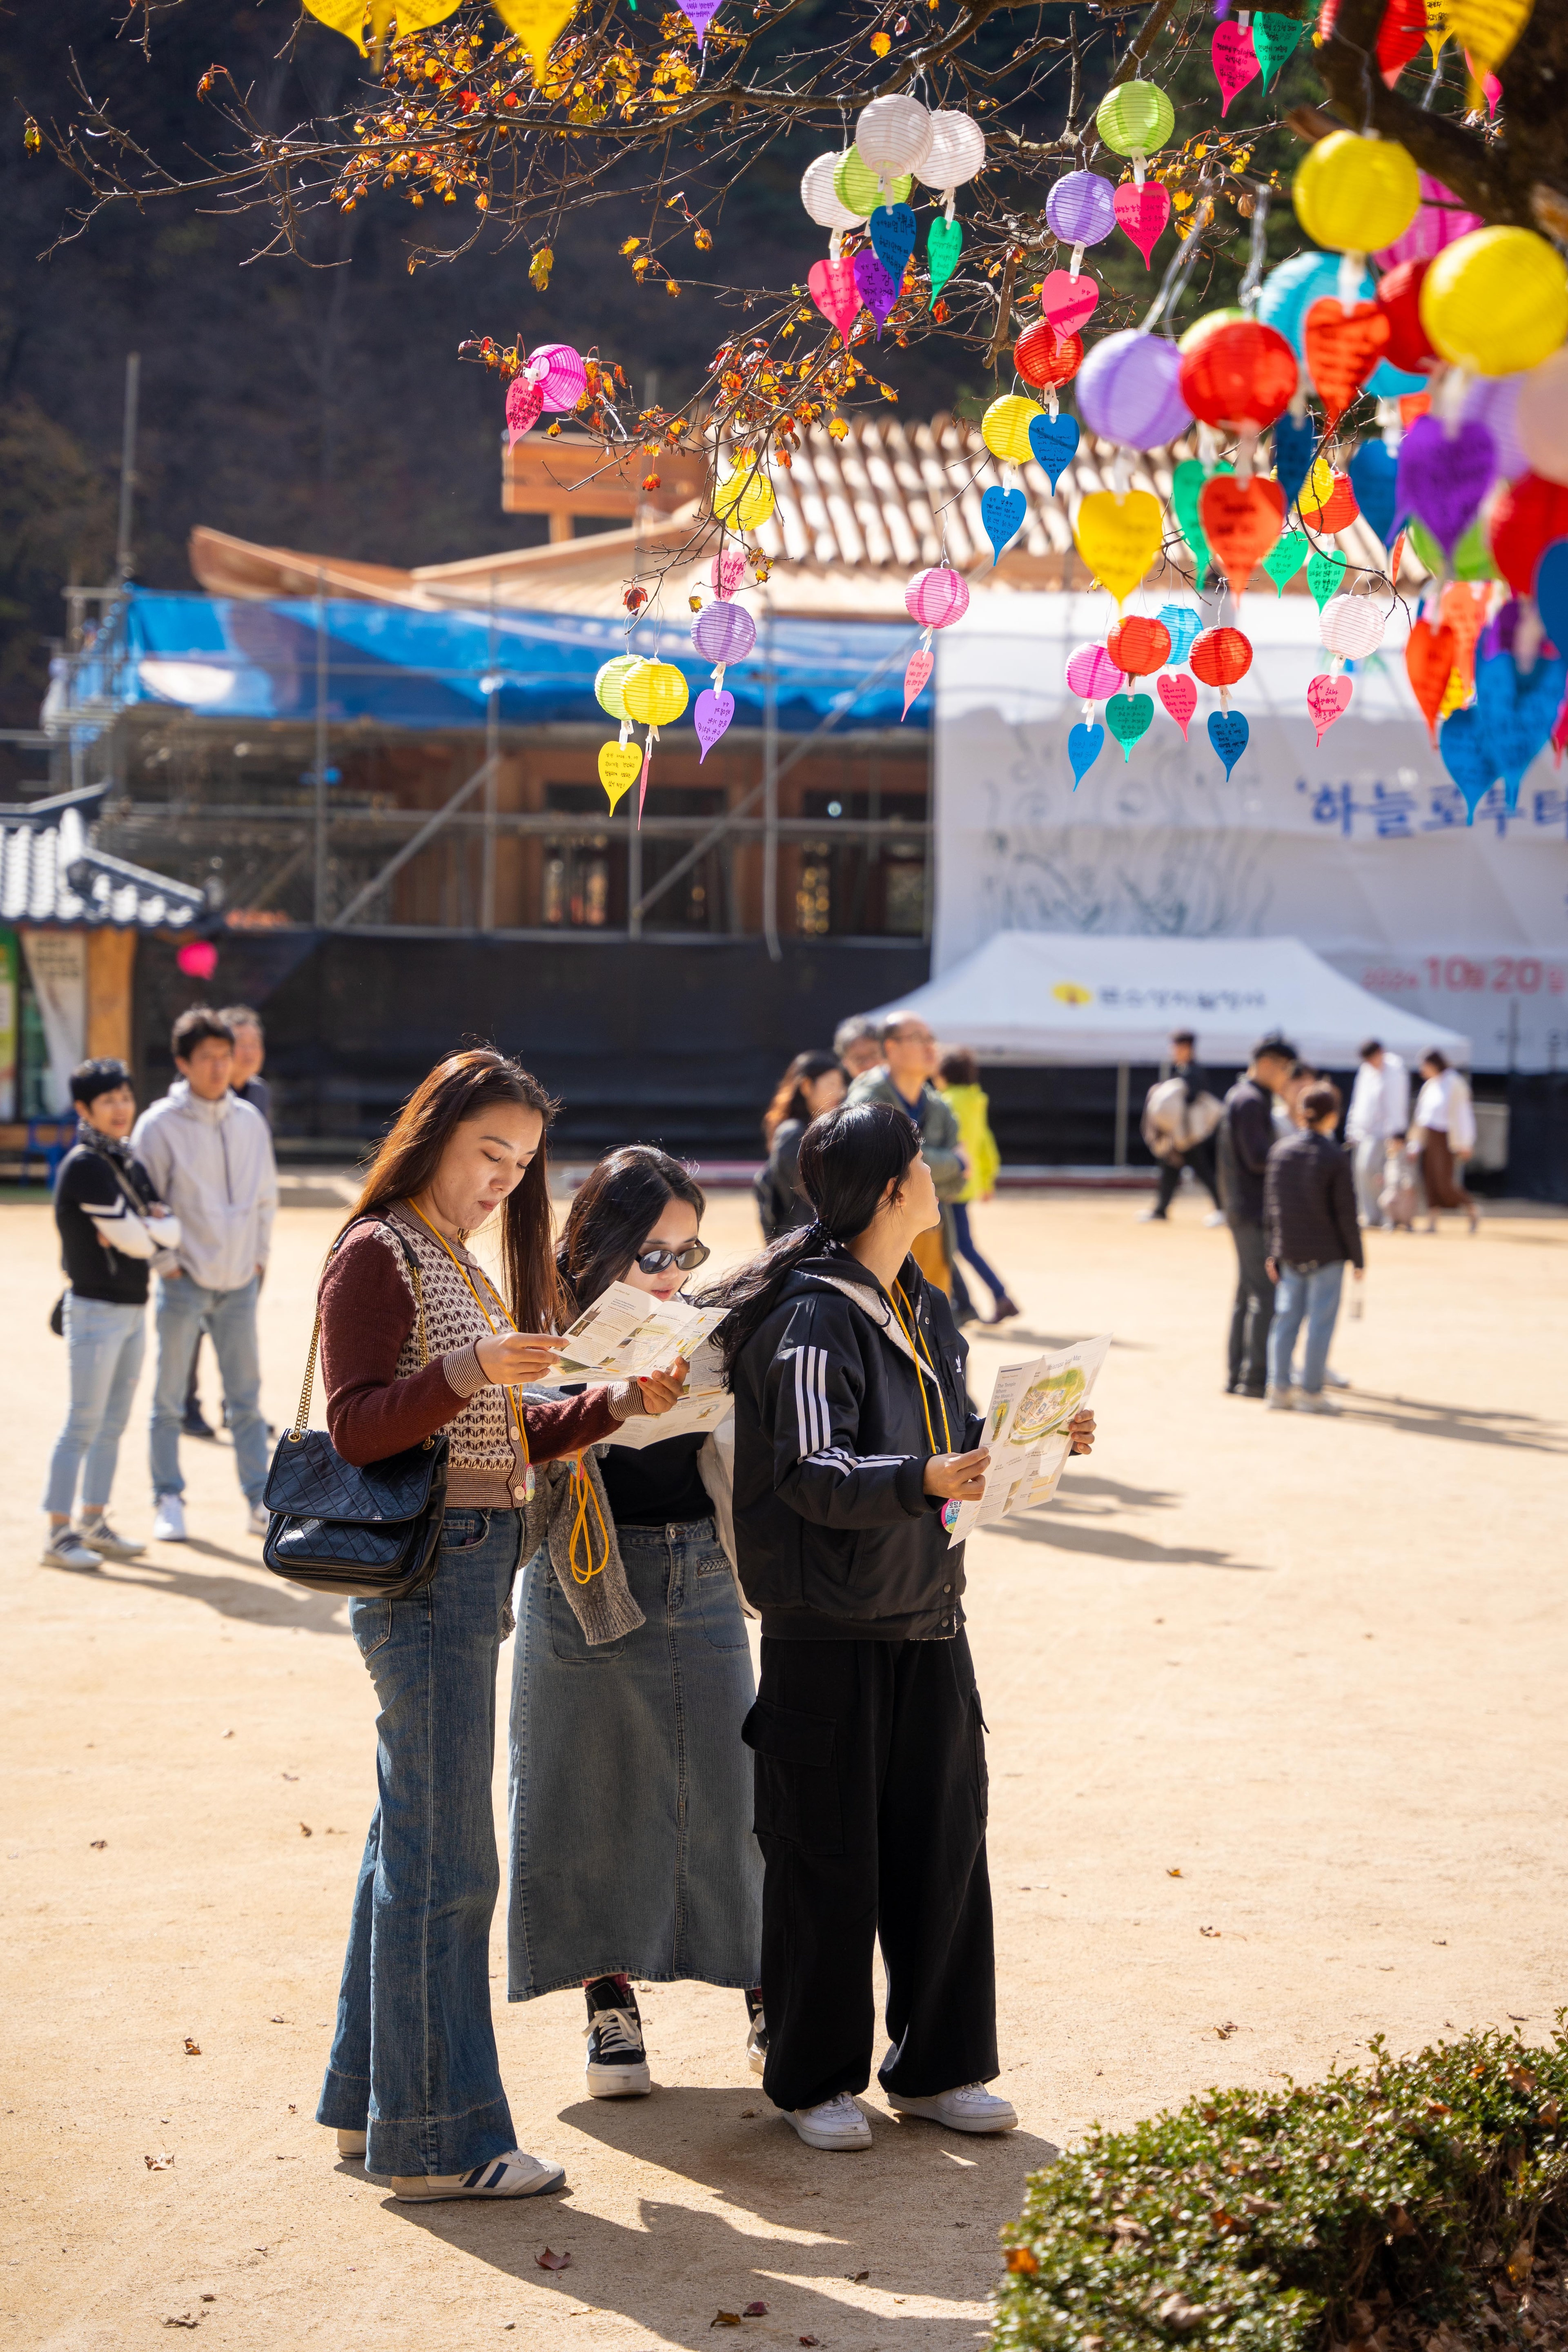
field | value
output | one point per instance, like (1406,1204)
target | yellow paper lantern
(347,16)
(1004,427)
(538,24)
(1496,302)
(654,694)
(1487,29)
(1119,538)
(1317,488)
(1353,195)
(745,498)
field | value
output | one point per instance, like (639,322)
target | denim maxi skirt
(632,1848)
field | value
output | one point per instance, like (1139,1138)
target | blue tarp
(220,658)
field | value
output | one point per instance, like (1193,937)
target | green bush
(1415,2191)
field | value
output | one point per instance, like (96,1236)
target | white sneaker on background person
(1332,1380)
(617,2065)
(836,2124)
(257,1519)
(169,1520)
(516,2174)
(1214,1217)
(1315,1402)
(351,2144)
(97,1534)
(63,1548)
(1278,1399)
(971,2108)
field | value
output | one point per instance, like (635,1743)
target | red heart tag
(1241,521)
(1068,301)
(1179,695)
(1343,349)
(1429,657)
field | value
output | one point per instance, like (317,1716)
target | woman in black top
(633,1853)
(814,1082)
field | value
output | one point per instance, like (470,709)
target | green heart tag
(1286,557)
(1274,40)
(1324,573)
(944,243)
(1471,559)
(1186,486)
(1129,718)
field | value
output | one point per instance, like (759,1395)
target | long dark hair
(460,1089)
(849,1158)
(612,1213)
(789,1100)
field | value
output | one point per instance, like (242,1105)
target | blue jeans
(105,1344)
(185,1311)
(966,1249)
(414,2057)
(1316,1297)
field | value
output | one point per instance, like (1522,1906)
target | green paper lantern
(1286,557)
(1129,718)
(1186,484)
(858,189)
(944,243)
(1471,559)
(1274,40)
(1135,118)
(1324,573)
(610,682)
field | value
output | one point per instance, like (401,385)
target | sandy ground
(1276,1737)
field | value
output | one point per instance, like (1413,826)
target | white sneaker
(1332,1380)
(169,1520)
(65,1548)
(836,2124)
(1315,1404)
(971,2108)
(350,2144)
(1278,1399)
(617,2065)
(1214,1217)
(515,2175)
(99,1537)
(257,1519)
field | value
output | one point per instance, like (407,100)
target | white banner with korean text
(1357,845)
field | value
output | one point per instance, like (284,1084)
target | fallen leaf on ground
(279,2021)
(748,2114)
(810,2339)
(725,2319)
(856,2278)
(549,2262)
(1208,1931)
(290,1775)
(183,2319)
(1021,2260)
(158,2163)
(306,1830)
(1225,2031)
(755,2310)
(228,1735)
(98,1844)
(1173,1873)
(193,2049)
(209,2298)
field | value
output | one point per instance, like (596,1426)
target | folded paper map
(1025,1432)
(628,1331)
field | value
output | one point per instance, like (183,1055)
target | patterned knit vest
(487,1464)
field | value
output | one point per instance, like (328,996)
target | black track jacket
(836,1540)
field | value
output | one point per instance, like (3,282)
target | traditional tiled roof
(50,873)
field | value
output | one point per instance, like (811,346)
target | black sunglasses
(689,1256)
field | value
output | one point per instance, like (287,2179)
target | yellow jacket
(973,1112)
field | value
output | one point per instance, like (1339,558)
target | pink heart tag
(1328,698)
(1142,212)
(1179,695)
(524,400)
(1066,301)
(1235,60)
(710,717)
(920,666)
(1092,675)
(727,572)
(836,293)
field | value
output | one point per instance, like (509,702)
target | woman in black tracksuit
(852,1432)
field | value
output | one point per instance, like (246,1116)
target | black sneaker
(618,2062)
(193,1423)
(757,2039)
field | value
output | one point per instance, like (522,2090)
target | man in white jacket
(210,1157)
(1379,1114)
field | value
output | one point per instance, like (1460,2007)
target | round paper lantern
(745,498)
(957,149)
(1129,389)
(1091,674)
(1081,208)
(1497,302)
(1526,517)
(1493,401)
(1352,195)
(1440,220)
(1135,118)
(1043,356)
(821,199)
(1240,376)
(1202,328)
(723,632)
(1220,656)
(197,959)
(937,598)
(859,188)
(1399,298)
(559,373)
(1004,427)
(893,133)
(610,681)
(1351,626)
(1542,416)
(1138,646)
(655,695)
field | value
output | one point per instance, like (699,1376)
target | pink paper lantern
(937,598)
(559,372)
(722,632)
(1092,675)
(1438,222)
(1129,391)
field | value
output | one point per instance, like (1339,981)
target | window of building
(868,887)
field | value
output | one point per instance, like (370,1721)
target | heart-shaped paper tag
(1342,347)
(1179,695)
(1052,442)
(892,229)
(1235,60)
(1129,718)
(1328,698)
(1068,301)
(620,765)
(1142,212)
(1295,442)
(1465,748)
(1241,521)
(1286,557)
(944,243)
(879,291)
(1443,476)
(1085,745)
(1517,708)
(1229,733)
(1372,474)
(524,402)
(1429,664)
(1274,40)
(1119,538)
(727,570)
(1552,593)
(710,716)
(699,15)
(1462,607)
(917,668)
(1002,512)
(1186,488)
(833,287)
(1325,570)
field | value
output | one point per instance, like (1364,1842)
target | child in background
(959,1079)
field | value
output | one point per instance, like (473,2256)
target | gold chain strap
(302,1419)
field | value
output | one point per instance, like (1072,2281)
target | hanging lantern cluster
(868,185)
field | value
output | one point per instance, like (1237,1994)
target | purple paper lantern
(1493,401)
(723,632)
(937,597)
(1081,208)
(1129,392)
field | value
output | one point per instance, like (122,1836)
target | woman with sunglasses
(633,1853)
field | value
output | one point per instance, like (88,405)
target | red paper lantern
(1220,656)
(1338,511)
(1526,517)
(1138,647)
(1043,355)
(1399,296)
(1239,377)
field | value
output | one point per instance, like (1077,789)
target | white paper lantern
(817,193)
(1541,417)
(894,134)
(956,152)
(1351,626)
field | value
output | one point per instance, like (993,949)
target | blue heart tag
(1229,733)
(1085,745)
(1184,627)
(893,238)
(1462,746)
(1054,441)
(1294,448)
(1373,471)
(1517,712)
(1002,512)
(1552,593)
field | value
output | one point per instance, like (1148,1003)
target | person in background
(633,1853)
(209,1155)
(1310,1216)
(959,1079)
(108,1215)
(859,1045)
(812,1084)
(1445,1123)
(1375,1123)
(1183,1092)
(247,1083)
(1245,1139)
(904,1081)
(1286,1111)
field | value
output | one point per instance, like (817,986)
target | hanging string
(922,1354)
(1174,284)
(583,1493)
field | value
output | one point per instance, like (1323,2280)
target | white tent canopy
(1061,996)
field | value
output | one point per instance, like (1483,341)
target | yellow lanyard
(490,1326)
(911,1333)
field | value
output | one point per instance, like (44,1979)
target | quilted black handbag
(374,1532)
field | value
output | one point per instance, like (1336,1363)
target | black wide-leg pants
(871,1811)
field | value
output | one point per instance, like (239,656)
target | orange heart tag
(1241,521)
(1343,348)
(1429,664)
